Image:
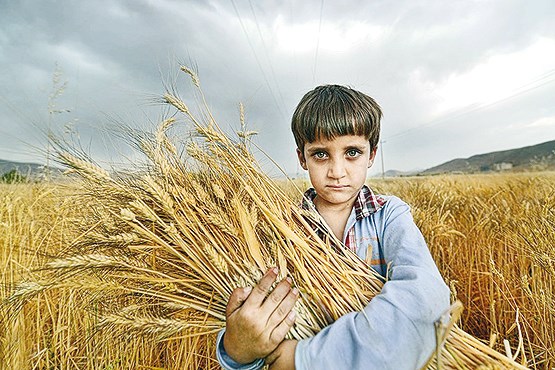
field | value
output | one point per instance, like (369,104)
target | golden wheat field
(492,237)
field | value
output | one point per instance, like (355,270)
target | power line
(269,60)
(257,60)
(317,42)
(544,79)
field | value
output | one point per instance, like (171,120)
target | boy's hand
(256,322)
(283,358)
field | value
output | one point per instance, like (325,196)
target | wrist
(228,363)
(236,356)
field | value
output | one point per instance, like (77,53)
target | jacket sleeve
(396,329)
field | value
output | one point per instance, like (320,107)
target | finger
(261,290)
(271,358)
(279,333)
(276,297)
(283,309)
(238,296)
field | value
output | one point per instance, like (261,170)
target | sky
(454,78)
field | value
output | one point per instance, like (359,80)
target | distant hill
(534,157)
(396,173)
(23,168)
(29,170)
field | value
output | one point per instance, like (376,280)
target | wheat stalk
(186,233)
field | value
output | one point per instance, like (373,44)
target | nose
(336,169)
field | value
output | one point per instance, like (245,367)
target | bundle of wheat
(162,249)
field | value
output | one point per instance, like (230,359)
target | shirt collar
(366,202)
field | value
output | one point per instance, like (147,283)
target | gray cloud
(117,55)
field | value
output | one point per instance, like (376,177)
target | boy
(336,130)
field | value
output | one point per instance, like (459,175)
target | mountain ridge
(24,168)
(529,158)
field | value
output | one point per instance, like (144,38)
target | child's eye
(319,155)
(353,153)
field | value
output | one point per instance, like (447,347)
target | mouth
(337,187)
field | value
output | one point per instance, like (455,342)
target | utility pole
(381,155)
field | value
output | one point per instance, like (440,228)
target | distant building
(503,166)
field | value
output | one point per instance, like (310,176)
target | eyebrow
(359,147)
(317,149)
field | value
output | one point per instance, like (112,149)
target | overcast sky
(454,78)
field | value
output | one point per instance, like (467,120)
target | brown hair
(329,111)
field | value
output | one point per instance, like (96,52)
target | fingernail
(247,289)
(295,291)
(275,270)
(289,280)
(291,315)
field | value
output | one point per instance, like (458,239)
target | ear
(372,157)
(302,161)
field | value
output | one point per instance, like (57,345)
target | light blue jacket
(396,329)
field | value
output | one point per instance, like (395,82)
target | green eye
(320,155)
(353,153)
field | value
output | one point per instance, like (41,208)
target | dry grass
(49,332)
(145,261)
(493,238)
(59,328)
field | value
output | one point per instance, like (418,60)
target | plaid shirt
(366,204)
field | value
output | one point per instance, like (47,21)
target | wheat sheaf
(163,247)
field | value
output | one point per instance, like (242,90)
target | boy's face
(337,168)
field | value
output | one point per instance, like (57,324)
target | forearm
(375,337)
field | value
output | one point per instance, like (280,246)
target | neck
(329,208)
(336,216)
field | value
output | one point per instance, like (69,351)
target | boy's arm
(256,322)
(396,329)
